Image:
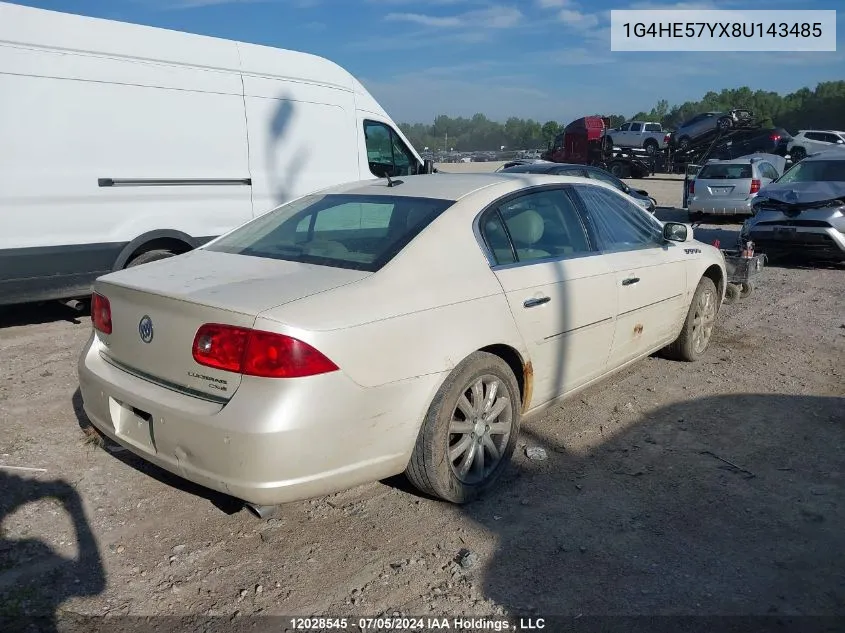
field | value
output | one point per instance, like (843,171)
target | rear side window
(725,172)
(344,231)
(535,226)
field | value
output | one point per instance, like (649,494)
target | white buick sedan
(386,326)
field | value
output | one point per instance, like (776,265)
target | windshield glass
(725,172)
(816,171)
(341,230)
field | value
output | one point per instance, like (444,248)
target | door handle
(537,301)
(630,281)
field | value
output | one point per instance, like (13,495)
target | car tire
(149,256)
(724,124)
(732,294)
(683,143)
(650,147)
(697,331)
(435,465)
(797,154)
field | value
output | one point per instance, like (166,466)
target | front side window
(620,225)
(341,230)
(386,153)
(535,226)
(636,127)
(625,127)
(606,177)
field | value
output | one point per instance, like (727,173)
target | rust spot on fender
(638,329)
(528,380)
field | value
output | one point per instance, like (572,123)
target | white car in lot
(811,141)
(384,327)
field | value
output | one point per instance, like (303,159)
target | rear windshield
(344,231)
(725,172)
(816,171)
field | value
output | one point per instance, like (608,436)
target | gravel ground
(707,488)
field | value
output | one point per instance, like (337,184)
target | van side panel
(301,139)
(70,123)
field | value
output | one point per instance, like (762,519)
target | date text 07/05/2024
(373,625)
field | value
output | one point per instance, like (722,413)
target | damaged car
(803,212)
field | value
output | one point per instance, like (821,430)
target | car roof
(527,168)
(446,186)
(743,160)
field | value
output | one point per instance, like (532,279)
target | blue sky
(544,59)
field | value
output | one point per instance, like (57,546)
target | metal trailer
(741,272)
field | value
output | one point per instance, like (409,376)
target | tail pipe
(262,512)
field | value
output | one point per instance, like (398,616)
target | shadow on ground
(723,505)
(38,313)
(34,579)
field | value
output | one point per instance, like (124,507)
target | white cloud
(198,4)
(577,19)
(424,20)
(495,17)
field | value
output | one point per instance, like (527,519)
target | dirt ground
(711,488)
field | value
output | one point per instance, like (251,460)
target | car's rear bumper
(275,441)
(717,206)
(818,242)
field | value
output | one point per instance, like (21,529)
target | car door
(814,142)
(560,290)
(635,135)
(649,273)
(620,137)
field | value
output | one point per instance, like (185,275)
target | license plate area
(784,231)
(132,425)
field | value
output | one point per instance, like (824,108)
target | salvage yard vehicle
(645,135)
(640,197)
(388,326)
(124,144)
(812,141)
(708,123)
(803,213)
(728,187)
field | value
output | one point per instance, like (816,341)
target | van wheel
(698,326)
(149,256)
(650,147)
(469,432)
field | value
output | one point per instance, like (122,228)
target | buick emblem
(145,328)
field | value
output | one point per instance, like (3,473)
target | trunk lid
(723,188)
(174,297)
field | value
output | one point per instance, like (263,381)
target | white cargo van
(121,144)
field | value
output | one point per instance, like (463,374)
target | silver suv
(728,187)
(803,213)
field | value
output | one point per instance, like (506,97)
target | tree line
(822,108)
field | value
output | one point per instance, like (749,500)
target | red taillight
(755,186)
(666,139)
(775,137)
(101,313)
(257,353)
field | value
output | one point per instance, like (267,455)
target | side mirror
(840,142)
(676,232)
(428,166)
